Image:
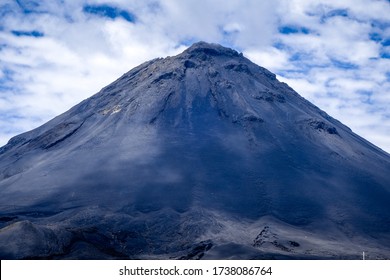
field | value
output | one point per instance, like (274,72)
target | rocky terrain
(204,155)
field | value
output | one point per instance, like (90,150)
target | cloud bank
(53,54)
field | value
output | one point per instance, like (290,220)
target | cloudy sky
(55,53)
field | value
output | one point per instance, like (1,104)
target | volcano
(203,155)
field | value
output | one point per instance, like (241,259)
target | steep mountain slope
(201,155)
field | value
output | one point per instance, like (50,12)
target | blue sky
(53,54)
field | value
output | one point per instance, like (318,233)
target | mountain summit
(201,155)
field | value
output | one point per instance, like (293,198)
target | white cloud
(342,70)
(333,63)
(271,58)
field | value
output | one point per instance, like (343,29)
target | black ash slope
(201,155)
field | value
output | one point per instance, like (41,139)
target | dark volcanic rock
(200,155)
